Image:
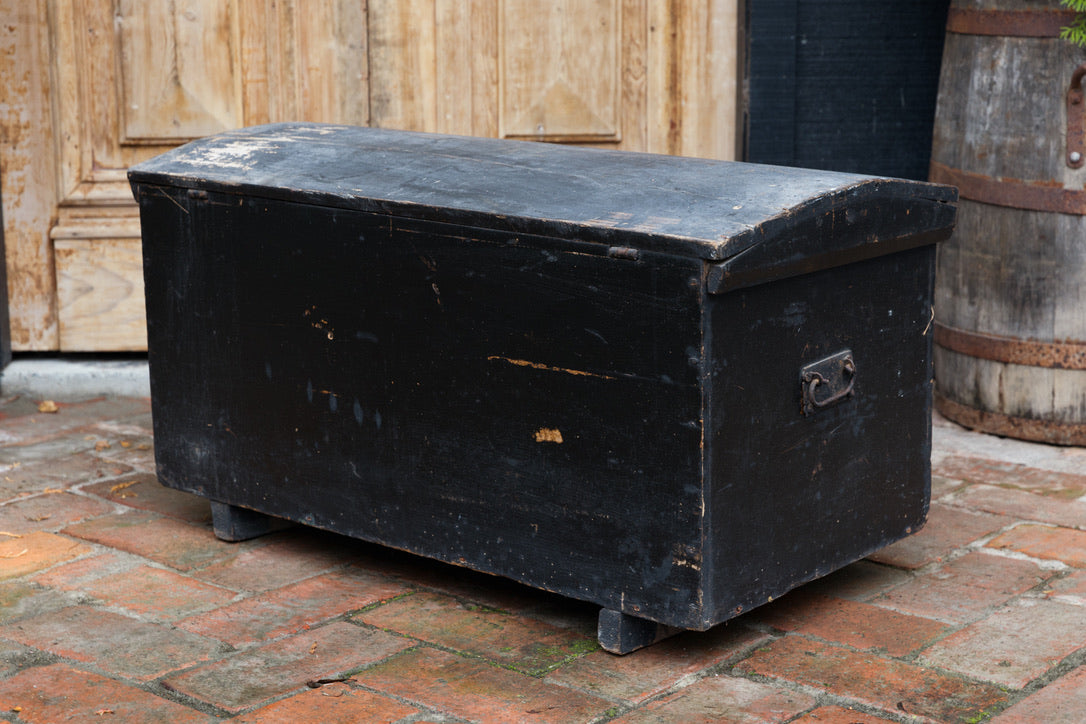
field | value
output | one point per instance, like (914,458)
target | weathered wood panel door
(642,75)
(92,87)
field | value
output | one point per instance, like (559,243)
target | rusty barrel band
(1010,192)
(1009,23)
(1011,350)
(1023,428)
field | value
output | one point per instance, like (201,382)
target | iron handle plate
(827,382)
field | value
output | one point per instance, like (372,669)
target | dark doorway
(5,327)
(846,85)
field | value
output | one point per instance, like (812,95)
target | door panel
(165,49)
(560,72)
(100,291)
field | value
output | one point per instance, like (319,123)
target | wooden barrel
(1010,290)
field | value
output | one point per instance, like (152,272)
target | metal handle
(812,378)
(1076,131)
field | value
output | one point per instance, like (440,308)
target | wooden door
(631,74)
(98,85)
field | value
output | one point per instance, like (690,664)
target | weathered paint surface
(27,174)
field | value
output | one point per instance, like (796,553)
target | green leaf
(1076,31)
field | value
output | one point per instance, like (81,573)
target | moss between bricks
(372,606)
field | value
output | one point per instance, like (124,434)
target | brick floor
(81,574)
(168,541)
(855,624)
(61,693)
(49,511)
(723,699)
(1066,486)
(861,581)
(655,670)
(292,608)
(278,560)
(23,599)
(117,603)
(1061,702)
(26,426)
(478,691)
(23,554)
(947,530)
(873,680)
(1070,587)
(12,657)
(1045,541)
(839,715)
(1022,505)
(518,642)
(157,594)
(112,642)
(1016,644)
(334,703)
(143,491)
(285,666)
(966,588)
(53,471)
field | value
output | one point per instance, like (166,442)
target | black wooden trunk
(578,369)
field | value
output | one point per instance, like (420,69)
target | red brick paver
(31,426)
(839,715)
(10,654)
(21,599)
(947,529)
(1070,588)
(859,625)
(166,540)
(60,693)
(519,642)
(1062,702)
(720,699)
(112,642)
(658,668)
(1014,645)
(49,511)
(1023,505)
(334,703)
(48,471)
(278,560)
(965,589)
(23,554)
(1067,486)
(76,575)
(157,594)
(143,491)
(478,691)
(893,686)
(1045,541)
(861,581)
(292,608)
(260,674)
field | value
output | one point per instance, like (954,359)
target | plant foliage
(1076,31)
